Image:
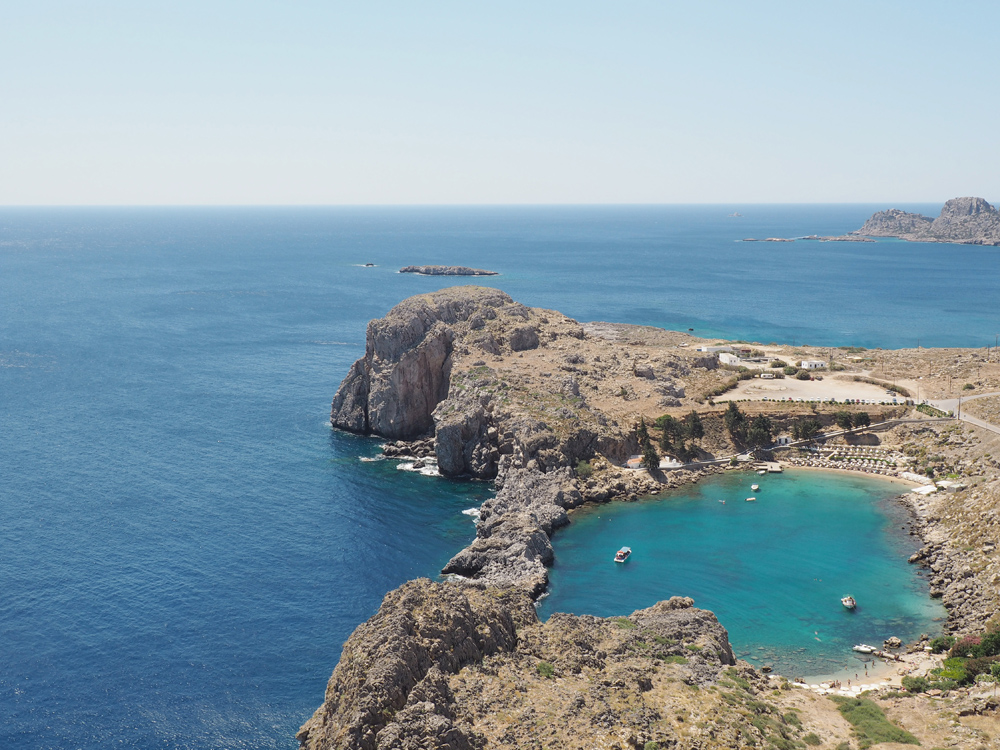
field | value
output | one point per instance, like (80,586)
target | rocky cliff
(505,392)
(449,666)
(962,220)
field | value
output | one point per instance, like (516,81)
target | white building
(714,349)
(729,359)
(812,364)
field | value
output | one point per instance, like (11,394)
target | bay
(773,570)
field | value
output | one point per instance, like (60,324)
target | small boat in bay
(754,487)
(751,499)
(848,601)
(622,554)
(863,648)
(762,472)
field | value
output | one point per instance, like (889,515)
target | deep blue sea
(184,542)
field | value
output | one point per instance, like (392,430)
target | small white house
(714,349)
(782,440)
(729,359)
(812,364)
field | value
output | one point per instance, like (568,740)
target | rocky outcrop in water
(970,221)
(406,371)
(439,665)
(447,271)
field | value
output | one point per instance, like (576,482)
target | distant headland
(447,271)
(968,221)
(965,221)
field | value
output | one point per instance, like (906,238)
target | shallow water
(772,570)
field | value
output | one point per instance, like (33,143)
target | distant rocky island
(447,271)
(968,221)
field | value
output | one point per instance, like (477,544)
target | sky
(377,102)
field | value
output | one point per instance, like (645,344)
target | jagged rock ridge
(433,669)
(963,220)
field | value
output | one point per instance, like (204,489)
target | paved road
(951,404)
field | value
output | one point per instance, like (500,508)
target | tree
(807,429)
(736,423)
(843,419)
(759,434)
(672,431)
(650,458)
(861,419)
(693,426)
(642,432)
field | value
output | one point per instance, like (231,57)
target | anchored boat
(848,601)
(622,554)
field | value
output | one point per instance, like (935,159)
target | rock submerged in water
(447,271)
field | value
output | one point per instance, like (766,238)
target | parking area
(830,387)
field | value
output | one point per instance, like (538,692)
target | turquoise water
(773,571)
(184,543)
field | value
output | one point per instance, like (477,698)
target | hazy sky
(290,102)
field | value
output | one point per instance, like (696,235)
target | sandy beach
(878,673)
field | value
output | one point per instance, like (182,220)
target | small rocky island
(968,221)
(549,409)
(447,271)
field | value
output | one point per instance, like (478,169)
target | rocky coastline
(434,380)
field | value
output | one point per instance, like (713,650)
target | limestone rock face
(443,667)
(963,220)
(405,373)
(895,223)
(389,689)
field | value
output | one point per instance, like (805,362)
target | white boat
(755,487)
(864,649)
(751,499)
(762,472)
(622,554)
(848,601)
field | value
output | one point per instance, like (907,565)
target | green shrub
(546,670)
(968,387)
(790,370)
(624,623)
(812,739)
(673,660)
(803,375)
(778,363)
(584,469)
(914,684)
(942,643)
(792,718)
(870,724)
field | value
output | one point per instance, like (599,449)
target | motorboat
(751,499)
(848,601)
(755,487)
(622,554)
(762,472)
(863,648)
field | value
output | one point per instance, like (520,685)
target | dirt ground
(830,387)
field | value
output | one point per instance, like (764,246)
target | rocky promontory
(455,667)
(549,409)
(447,271)
(504,391)
(970,221)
